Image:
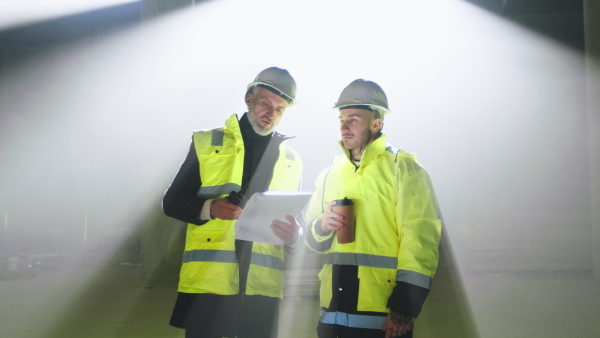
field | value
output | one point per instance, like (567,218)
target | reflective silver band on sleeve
(414,278)
(217,190)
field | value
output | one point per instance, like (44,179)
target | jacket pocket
(216,169)
(209,237)
(325,291)
(375,287)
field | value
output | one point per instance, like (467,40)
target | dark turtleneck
(261,153)
(255,145)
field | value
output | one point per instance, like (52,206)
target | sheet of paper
(255,221)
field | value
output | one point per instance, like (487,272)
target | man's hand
(288,233)
(331,220)
(396,324)
(221,208)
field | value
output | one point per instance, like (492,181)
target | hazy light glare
(23,12)
(98,130)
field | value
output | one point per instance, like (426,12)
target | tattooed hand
(399,319)
(396,324)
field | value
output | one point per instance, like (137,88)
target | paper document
(255,221)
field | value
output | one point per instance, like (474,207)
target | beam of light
(14,13)
(103,126)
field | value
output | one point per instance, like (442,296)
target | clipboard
(254,224)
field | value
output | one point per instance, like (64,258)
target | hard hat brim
(381,110)
(273,89)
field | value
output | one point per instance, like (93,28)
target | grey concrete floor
(113,301)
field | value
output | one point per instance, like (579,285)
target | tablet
(255,221)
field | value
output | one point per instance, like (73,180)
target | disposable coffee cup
(345,207)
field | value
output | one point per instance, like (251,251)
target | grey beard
(262,131)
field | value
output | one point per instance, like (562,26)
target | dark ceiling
(558,19)
(72,28)
(520,8)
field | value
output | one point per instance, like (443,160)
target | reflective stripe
(266,261)
(414,278)
(225,256)
(310,221)
(217,137)
(347,258)
(391,150)
(313,243)
(216,190)
(222,256)
(350,320)
(411,277)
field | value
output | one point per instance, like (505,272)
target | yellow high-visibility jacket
(397,227)
(209,263)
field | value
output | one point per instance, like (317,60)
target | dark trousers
(254,317)
(338,331)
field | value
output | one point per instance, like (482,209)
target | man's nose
(270,112)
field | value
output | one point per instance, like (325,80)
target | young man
(376,285)
(231,287)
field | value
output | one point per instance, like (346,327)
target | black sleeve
(407,299)
(181,200)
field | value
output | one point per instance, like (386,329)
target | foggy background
(97,129)
(94,122)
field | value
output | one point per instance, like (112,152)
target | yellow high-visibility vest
(209,263)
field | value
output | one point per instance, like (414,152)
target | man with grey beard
(230,287)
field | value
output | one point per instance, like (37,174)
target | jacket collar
(374,149)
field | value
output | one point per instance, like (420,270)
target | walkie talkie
(237,198)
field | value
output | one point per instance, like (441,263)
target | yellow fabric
(221,165)
(396,216)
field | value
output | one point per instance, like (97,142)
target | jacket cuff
(205,213)
(318,233)
(293,248)
(407,299)
(315,240)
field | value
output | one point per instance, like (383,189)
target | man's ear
(377,124)
(248,99)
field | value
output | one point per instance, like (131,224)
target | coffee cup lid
(345,201)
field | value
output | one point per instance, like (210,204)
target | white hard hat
(277,80)
(364,93)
